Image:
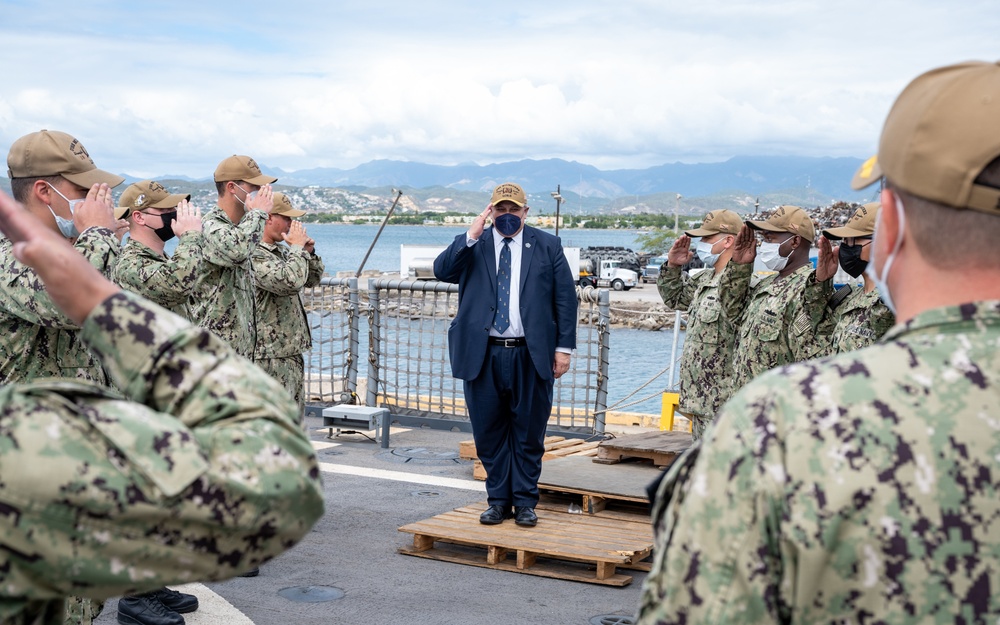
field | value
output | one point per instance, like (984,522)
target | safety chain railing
(331,366)
(408,369)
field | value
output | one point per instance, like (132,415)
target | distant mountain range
(737,183)
(748,174)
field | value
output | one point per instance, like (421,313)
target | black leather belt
(514,342)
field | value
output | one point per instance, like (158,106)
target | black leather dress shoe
(254,572)
(494,515)
(179,602)
(525,517)
(145,610)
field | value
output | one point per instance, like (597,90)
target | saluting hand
(476,230)
(296,235)
(828,261)
(264,200)
(745,247)
(188,218)
(680,252)
(97,210)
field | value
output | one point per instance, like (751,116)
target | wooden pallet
(598,485)
(575,547)
(660,447)
(555,447)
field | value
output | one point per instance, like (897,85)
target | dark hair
(20,188)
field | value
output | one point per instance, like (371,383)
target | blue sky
(155,88)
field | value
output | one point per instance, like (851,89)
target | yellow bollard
(669,405)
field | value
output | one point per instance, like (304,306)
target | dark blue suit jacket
(547,303)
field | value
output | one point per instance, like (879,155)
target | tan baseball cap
(147,194)
(942,131)
(54,153)
(283,206)
(242,168)
(861,224)
(724,221)
(509,192)
(791,219)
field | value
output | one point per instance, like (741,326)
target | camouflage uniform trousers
(290,372)
(82,611)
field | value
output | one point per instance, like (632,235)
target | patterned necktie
(501,318)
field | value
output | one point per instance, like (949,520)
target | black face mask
(850,259)
(165,232)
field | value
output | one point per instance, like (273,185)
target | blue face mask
(507,224)
(705,254)
(881,277)
(67,227)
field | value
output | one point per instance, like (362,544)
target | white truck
(610,275)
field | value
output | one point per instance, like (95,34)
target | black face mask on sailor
(850,258)
(166,231)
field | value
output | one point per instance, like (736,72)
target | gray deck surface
(354,546)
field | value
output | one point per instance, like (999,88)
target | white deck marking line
(212,608)
(323,444)
(401,476)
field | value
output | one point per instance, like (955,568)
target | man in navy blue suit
(512,337)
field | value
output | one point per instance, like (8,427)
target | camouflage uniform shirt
(201,476)
(859,320)
(860,488)
(706,362)
(280,273)
(36,339)
(167,281)
(776,327)
(224,300)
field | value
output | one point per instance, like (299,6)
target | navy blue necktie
(501,318)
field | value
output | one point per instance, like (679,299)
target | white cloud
(154,89)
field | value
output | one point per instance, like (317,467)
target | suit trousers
(509,406)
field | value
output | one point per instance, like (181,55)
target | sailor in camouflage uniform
(280,273)
(860,318)
(155,216)
(862,488)
(52,174)
(196,472)
(706,362)
(224,299)
(776,327)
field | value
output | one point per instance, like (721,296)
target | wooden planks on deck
(555,447)
(577,547)
(660,447)
(597,484)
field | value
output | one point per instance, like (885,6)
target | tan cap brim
(171,200)
(763,225)
(292,213)
(261,180)
(700,232)
(121,212)
(88,179)
(835,234)
(869,173)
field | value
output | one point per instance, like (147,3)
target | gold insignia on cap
(139,201)
(868,166)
